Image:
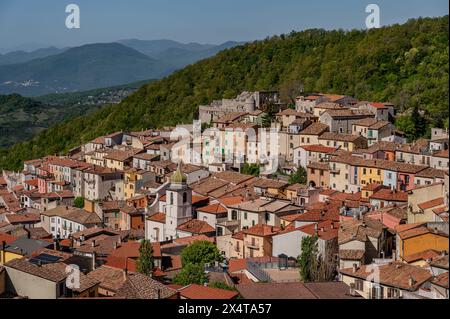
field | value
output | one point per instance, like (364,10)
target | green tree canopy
(200,252)
(145,263)
(299,177)
(307,260)
(251,169)
(191,274)
(79,202)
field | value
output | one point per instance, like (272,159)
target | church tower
(178,202)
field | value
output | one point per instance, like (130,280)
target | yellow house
(258,240)
(19,248)
(134,180)
(119,159)
(370,175)
(420,239)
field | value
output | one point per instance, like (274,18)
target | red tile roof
(431,203)
(195,291)
(318,148)
(195,226)
(6,238)
(213,209)
(262,230)
(389,195)
(326,230)
(158,217)
(235,265)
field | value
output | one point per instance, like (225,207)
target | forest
(404,64)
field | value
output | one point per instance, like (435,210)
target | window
(234,215)
(393,293)
(267,217)
(171,198)
(359,285)
(245,215)
(184,197)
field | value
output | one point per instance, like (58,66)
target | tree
(299,177)
(269,115)
(290,90)
(79,202)
(308,258)
(221,285)
(145,262)
(250,169)
(200,253)
(191,274)
(313,266)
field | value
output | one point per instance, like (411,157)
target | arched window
(184,197)
(171,198)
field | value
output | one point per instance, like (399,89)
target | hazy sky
(205,21)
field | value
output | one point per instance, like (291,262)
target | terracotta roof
(235,265)
(431,173)
(326,230)
(55,272)
(395,274)
(158,217)
(23,218)
(442,153)
(195,291)
(351,254)
(371,123)
(389,195)
(139,286)
(350,113)
(319,148)
(213,209)
(359,230)
(80,216)
(6,238)
(108,277)
(316,128)
(440,262)
(130,249)
(122,263)
(441,280)
(270,183)
(340,137)
(423,255)
(195,226)
(262,230)
(431,203)
(192,239)
(233,200)
(418,232)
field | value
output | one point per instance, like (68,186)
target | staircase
(258,272)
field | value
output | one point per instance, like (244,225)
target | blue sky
(205,21)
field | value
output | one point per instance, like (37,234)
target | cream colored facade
(421,195)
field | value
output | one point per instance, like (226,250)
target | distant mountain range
(55,70)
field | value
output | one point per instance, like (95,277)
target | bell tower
(178,202)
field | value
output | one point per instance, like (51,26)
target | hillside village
(373,206)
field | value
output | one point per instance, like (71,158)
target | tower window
(184,197)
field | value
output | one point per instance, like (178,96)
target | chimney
(67,207)
(94,260)
(158,293)
(93,243)
(411,281)
(316,228)
(115,245)
(125,272)
(39,263)
(355,268)
(394,255)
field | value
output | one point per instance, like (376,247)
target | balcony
(251,245)
(335,171)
